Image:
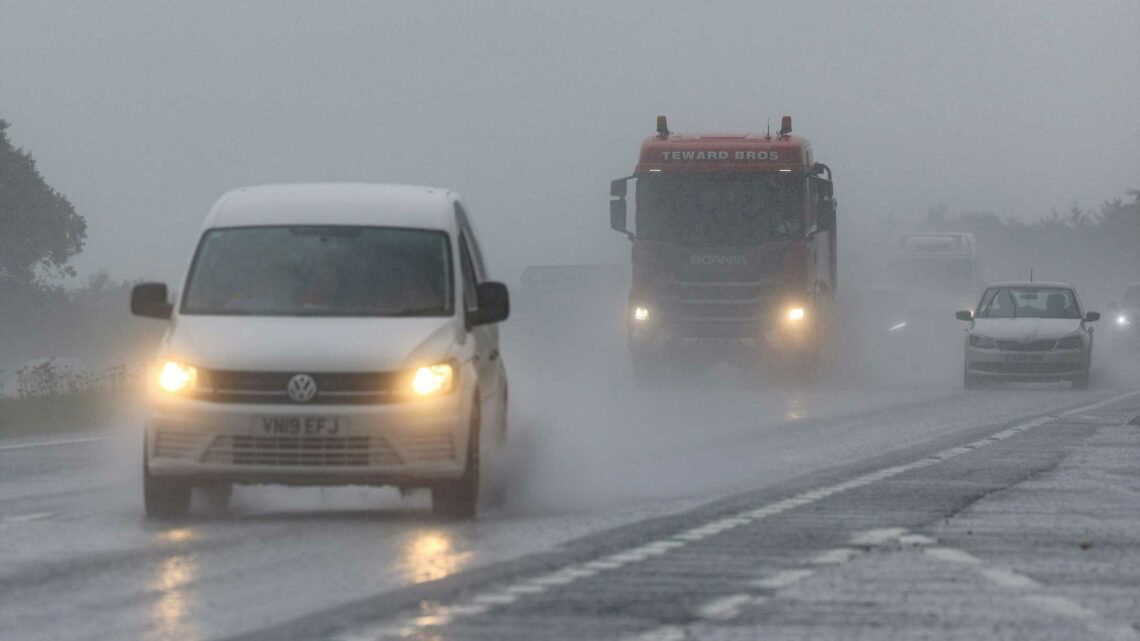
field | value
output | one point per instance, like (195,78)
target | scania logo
(301,388)
(717,259)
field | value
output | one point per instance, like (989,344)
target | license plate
(300,425)
(1024,358)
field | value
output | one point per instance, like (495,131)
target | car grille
(352,388)
(1043,345)
(1027,368)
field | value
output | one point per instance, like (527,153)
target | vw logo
(301,388)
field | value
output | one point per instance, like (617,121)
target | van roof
(335,204)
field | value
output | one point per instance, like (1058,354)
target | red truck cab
(733,241)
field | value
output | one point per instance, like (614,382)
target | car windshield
(1028,302)
(321,271)
(719,210)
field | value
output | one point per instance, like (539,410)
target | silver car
(1034,332)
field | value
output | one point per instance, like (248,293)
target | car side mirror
(825,221)
(1092,317)
(494,304)
(964,315)
(150,300)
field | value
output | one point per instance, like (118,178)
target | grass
(88,410)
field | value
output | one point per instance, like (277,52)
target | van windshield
(309,270)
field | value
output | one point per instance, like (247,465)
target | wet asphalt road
(600,480)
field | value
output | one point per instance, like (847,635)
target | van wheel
(458,499)
(219,495)
(163,498)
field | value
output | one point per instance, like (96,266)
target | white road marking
(953,555)
(52,443)
(1009,578)
(916,540)
(724,608)
(780,579)
(878,537)
(837,556)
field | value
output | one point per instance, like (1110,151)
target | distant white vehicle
(327,334)
(1028,332)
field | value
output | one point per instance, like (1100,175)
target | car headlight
(1123,321)
(640,314)
(796,314)
(982,342)
(176,377)
(1071,342)
(434,380)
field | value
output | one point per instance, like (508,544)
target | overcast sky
(143,112)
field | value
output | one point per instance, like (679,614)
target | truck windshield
(719,210)
(320,271)
(1028,302)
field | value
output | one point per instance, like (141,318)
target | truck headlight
(797,314)
(176,377)
(640,314)
(982,342)
(433,380)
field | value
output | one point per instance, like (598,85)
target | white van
(327,334)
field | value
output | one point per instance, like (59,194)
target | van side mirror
(1092,317)
(494,304)
(150,300)
(618,216)
(825,221)
(964,315)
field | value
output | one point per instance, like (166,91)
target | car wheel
(163,498)
(458,499)
(1081,382)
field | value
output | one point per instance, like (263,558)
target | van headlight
(796,314)
(176,377)
(1123,320)
(982,342)
(434,380)
(640,314)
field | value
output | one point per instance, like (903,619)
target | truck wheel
(163,498)
(458,499)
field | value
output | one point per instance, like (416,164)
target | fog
(143,114)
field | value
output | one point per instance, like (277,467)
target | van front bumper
(406,444)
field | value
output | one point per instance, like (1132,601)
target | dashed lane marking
(447,614)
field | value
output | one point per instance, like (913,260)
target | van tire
(458,499)
(163,498)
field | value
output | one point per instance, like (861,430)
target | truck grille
(351,388)
(1043,345)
